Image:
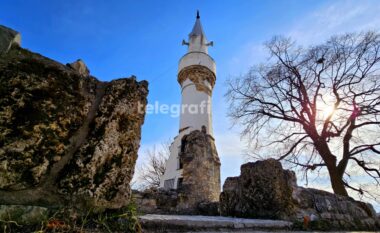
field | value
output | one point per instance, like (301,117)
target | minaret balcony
(197,58)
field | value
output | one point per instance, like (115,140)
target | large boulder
(265,190)
(66,139)
(8,38)
(261,191)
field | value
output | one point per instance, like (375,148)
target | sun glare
(327,110)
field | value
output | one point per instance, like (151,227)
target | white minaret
(196,76)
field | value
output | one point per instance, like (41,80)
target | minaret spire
(197,29)
(197,38)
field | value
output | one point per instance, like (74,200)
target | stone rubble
(265,190)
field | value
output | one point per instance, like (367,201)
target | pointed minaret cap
(197,29)
(197,50)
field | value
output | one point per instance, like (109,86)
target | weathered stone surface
(43,104)
(265,190)
(156,201)
(103,166)
(66,138)
(80,67)
(201,170)
(261,191)
(8,37)
(161,201)
(200,188)
(335,211)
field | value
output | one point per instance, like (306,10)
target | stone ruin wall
(201,170)
(200,189)
(265,190)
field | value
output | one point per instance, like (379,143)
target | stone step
(185,223)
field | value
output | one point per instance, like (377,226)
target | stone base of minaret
(201,170)
(199,187)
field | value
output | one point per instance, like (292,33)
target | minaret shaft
(196,87)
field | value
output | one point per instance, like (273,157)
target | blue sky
(119,38)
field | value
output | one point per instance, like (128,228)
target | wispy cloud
(336,18)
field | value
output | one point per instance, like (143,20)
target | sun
(327,111)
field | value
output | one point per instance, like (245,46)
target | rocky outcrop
(8,38)
(80,67)
(265,190)
(201,170)
(65,137)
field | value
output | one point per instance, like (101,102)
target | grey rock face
(265,190)
(8,37)
(66,139)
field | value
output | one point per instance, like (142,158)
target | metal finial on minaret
(198,14)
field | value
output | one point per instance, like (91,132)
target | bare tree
(151,171)
(315,107)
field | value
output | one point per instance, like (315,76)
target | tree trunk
(336,177)
(337,181)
